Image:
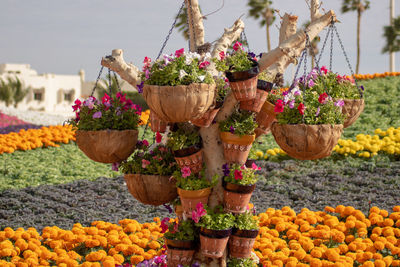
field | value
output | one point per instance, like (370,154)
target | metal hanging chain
(170,31)
(297,70)
(116,80)
(331,51)
(324,43)
(244,37)
(348,61)
(97,80)
(109,83)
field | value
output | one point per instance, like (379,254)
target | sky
(64,36)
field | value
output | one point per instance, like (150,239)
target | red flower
(77,105)
(237,46)
(158,137)
(279,106)
(222,55)
(324,69)
(164,225)
(301,108)
(179,52)
(238,175)
(106,98)
(204,64)
(322,98)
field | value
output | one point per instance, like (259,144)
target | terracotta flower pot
(352,108)
(258,131)
(241,243)
(266,116)
(180,103)
(307,142)
(193,161)
(213,242)
(180,244)
(179,212)
(206,120)
(156,124)
(237,197)
(255,104)
(244,83)
(190,198)
(151,189)
(236,148)
(179,257)
(107,146)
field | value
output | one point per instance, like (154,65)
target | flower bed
(6,120)
(341,236)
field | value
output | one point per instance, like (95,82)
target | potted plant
(222,87)
(308,124)
(185,142)
(215,229)
(243,235)
(241,69)
(147,174)
(267,114)
(237,135)
(254,105)
(106,130)
(248,262)
(239,183)
(181,239)
(339,87)
(192,189)
(178,88)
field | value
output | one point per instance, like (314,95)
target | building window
(68,96)
(38,96)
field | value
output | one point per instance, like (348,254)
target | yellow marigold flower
(135,259)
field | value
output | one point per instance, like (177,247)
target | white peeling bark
(195,21)
(126,71)
(314,8)
(228,37)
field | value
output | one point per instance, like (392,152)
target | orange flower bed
(375,75)
(34,138)
(341,236)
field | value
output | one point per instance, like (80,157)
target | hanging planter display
(148,174)
(208,117)
(106,130)
(237,135)
(156,124)
(178,88)
(352,109)
(243,236)
(255,105)
(241,69)
(267,114)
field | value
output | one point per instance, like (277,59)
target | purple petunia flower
(140,87)
(226,170)
(232,129)
(311,83)
(339,103)
(97,115)
(196,264)
(251,54)
(291,104)
(317,113)
(168,207)
(362,87)
(115,166)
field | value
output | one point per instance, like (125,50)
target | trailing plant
(245,262)
(117,113)
(178,69)
(182,230)
(151,161)
(240,122)
(239,60)
(246,221)
(240,174)
(187,180)
(183,137)
(222,88)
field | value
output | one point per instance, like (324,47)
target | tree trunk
(358,40)
(268,38)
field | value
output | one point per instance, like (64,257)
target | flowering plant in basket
(182,230)
(187,180)
(240,174)
(110,113)
(239,60)
(240,123)
(180,68)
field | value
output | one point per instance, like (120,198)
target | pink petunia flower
(339,103)
(145,142)
(322,98)
(279,106)
(77,105)
(301,108)
(164,224)
(238,175)
(291,104)
(158,137)
(97,115)
(179,52)
(145,163)
(317,113)
(222,55)
(186,171)
(115,166)
(237,46)
(204,64)
(255,167)
(311,83)
(198,212)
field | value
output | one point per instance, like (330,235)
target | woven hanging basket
(107,146)
(151,189)
(352,108)
(179,103)
(307,142)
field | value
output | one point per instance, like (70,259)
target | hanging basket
(151,189)
(180,103)
(255,104)
(352,108)
(236,148)
(266,116)
(307,142)
(107,146)
(156,124)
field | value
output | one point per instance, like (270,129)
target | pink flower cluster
(198,212)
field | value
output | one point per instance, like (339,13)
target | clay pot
(307,142)
(236,148)
(244,83)
(180,244)
(193,161)
(352,108)
(213,242)
(208,117)
(107,146)
(179,212)
(190,198)
(258,131)
(255,104)
(241,243)
(182,257)
(156,124)
(151,189)
(266,116)
(179,103)
(237,197)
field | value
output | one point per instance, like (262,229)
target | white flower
(182,74)
(207,57)
(201,77)
(194,55)
(188,60)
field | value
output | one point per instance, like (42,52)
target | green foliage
(12,91)
(391,34)
(195,181)
(186,231)
(118,114)
(182,138)
(241,123)
(274,96)
(261,9)
(239,60)
(246,221)
(49,166)
(355,5)
(216,219)
(152,161)
(222,88)
(245,262)
(339,87)
(236,171)
(182,70)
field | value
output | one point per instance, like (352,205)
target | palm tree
(19,91)
(6,93)
(392,35)
(261,9)
(360,6)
